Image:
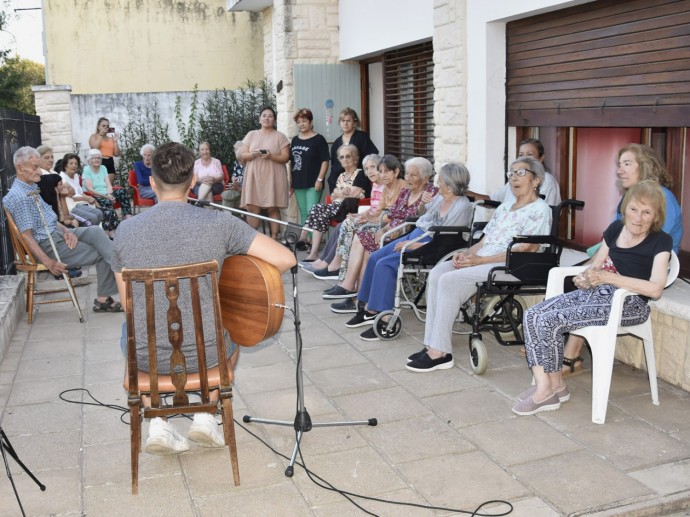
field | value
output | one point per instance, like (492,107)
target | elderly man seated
(76,247)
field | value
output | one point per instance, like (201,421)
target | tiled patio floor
(446,439)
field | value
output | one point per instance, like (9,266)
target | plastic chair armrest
(557,275)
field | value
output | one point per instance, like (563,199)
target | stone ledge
(12,303)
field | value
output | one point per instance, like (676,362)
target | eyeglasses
(344,156)
(519,172)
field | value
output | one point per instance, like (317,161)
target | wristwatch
(319,179)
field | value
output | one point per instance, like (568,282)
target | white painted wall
(376,117)
(486,59)
(369,27)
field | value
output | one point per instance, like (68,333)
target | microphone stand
(5,445)
(65,276)
(302,422)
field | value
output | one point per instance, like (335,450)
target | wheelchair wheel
(517,307)
(478,357)
(411,285)
(381,326)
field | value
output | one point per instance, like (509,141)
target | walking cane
(65,276)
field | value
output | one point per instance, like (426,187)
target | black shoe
(369,335)
(338,292)
(325,274)
(301,246)
(417,355)
(424,363)
(346,306)
(361,319)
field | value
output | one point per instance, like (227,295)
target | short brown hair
(650,193)
(304,113)
(172,164)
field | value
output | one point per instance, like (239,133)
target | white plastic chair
(602,340)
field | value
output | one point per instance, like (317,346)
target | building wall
(297,32)
(101,46)
(370,27)
(450,83)
(485,30)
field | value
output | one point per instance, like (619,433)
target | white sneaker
(204,431)
(163,439)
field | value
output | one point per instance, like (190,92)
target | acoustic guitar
(249,289)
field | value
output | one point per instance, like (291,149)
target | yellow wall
(115,46)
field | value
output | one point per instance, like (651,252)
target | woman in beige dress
(265,152)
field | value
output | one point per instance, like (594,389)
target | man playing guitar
(172,233)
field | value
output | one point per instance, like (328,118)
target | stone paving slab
(446,439)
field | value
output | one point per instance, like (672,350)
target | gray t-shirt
(171,234)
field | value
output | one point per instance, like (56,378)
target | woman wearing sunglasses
(452,283)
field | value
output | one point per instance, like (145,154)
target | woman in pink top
(208,173)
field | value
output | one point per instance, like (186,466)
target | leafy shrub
(144,126)
(228,115)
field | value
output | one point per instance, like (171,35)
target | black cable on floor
(313,477)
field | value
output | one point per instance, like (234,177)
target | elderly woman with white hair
(142,169)
(452,283)
(408,202)
(97,184)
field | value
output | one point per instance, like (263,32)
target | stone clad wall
(297,32)
(671,346)
(450,82)
(53,105)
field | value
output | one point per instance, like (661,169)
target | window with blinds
(409,102)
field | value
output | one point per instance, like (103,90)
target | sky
(24,31)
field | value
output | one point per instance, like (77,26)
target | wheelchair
(414,267)
(499,305)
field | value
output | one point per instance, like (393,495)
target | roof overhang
(249,5)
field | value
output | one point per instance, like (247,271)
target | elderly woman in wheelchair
(450,208)
(634,254)
(452,283)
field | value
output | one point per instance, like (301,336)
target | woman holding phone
(105,140)
(265,152)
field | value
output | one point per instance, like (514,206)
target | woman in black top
(351,135)
(634,255)
(309,159)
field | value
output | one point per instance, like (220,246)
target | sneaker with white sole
(361,319)
(369,335)
(205,431)
(423,363)
(164,439)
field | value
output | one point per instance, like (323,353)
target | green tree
(144,126)
(17,76)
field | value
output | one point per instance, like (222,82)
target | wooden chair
(603,339)
(180,382)
(24,260)
(137,200)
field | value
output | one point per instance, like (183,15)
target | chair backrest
(170,277)
(226,175)
(673,269)
(132,179)
(24,259)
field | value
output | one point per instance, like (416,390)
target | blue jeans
(378,285)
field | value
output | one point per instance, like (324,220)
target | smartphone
(111,130)
(263,151)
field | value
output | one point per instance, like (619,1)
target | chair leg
(229,432)
(135,444)
(651,369)
(602,370)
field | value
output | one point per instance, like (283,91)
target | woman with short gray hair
(142,169)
